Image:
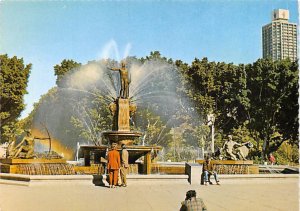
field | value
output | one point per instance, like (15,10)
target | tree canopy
(259,99)
(14,76)
(255,102)
(60,70)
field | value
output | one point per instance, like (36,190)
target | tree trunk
(265,150)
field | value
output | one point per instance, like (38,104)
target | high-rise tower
(279,38)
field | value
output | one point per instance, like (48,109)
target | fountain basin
(98,152)
(121,137)
(36,166)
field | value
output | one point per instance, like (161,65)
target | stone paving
(233,194)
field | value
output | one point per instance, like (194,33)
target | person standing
(125,165)
(208,170)
(113,165)
(191,203)
(272,159)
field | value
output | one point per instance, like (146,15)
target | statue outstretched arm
(114,69)
(41,138)
(20,144)
(239,144)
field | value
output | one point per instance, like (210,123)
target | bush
(287,154)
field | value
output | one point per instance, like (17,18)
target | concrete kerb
(35,179)
(184,179)
(258,176)
(19,179)
(102,180)
(13,182)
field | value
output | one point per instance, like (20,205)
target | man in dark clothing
(191,203)
(208,170)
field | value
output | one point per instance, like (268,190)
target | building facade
(279,38)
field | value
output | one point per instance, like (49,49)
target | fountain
(122,109)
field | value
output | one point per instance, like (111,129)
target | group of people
(191,201)
(116,163)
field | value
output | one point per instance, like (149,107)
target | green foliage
(11,131)
(178,149)
(92,117)
(218,88)
(13,83)
(242,134)
(60,70)
(255,102)
(274,102)
(287,154)
(252,101)
(155,130)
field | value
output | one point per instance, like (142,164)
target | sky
(44,33)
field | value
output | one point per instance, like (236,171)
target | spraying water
(83,99)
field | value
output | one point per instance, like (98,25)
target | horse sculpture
(243,151)
(240,152)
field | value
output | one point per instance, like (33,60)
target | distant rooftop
(280,14)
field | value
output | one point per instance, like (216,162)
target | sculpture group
(232,150)
(25,149)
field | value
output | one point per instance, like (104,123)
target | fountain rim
(122,133)
(129,147)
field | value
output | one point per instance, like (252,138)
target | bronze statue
(25,149)
(229,147)
(243,151)
(234,150)
(11,149)
(124,92)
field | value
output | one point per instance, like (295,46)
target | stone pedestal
(123,115)
(147,163)
(194,171)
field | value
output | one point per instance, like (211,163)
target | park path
(260,194)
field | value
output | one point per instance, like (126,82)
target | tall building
(279,38)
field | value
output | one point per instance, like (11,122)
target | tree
(261,97)
(156,132)
(13,83)
(91,117)
(60,70)
(254,102)
(274,102)
(218,88)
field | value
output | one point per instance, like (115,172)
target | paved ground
(236,194)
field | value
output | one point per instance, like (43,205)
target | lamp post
(211,122)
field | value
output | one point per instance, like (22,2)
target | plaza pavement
(232,194)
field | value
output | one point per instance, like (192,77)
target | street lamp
(211,122)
